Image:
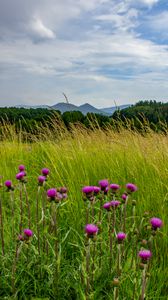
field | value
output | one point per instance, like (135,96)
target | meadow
(56,262)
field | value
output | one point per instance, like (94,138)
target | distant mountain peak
(84,108)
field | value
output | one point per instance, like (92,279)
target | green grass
(76,159)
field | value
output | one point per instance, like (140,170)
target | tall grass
(76,158)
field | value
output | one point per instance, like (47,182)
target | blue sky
(96,51)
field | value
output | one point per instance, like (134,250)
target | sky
(104,52)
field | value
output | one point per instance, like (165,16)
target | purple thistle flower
(63,190)
(28,232)
(8,184)
(124,197)
(64,196)
(91,230)
(96,190)
(145,255)
(103,184)
(20,175)
(41,179)
(106,190)
(45,171)
(21,168)
(20,237)
(88,189)
(114,187)
(107,205)
(121,236)
(52,193)
(115,203)
(131,187)
(156,223)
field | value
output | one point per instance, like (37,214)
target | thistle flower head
(103,184)
(51,193)
(115,203)
(28,232)
(63,190)
(45,171)
(96,190)
(145,255)
(114,187)
(131,187)
(20,237)
(91,230)
(8,184)
(107,205)
(124,197)
(88,189)
(21,168)
(106,190)
(121,236)
(156,223)
(20,175)
(41,179)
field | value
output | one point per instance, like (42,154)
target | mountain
(63,107)
(111,110)
(85,108)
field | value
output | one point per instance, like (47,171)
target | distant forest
(151,114)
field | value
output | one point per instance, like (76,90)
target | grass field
(76,159)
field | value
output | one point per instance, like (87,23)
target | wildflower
(96,190)
(106,190)
(156,223)
(8,184)
(107,205)
(91,230)
(88,192)
(124,197)
(20,176)
(20,238)
(120,237)
(52,193)
(103,184)
(131,187)
(45,172)
(21,168)
(27,234)
(114,187)
(41,180)
(115,203)
(88,189)
(63,190)
(62,193)
(145,255)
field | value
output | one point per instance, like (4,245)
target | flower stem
(2,229)
(21,208)
(142,297)
(17,253)
(13,213)
(88,270)
(37,219)
(116,293)
(27,204)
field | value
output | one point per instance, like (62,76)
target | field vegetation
(60,261)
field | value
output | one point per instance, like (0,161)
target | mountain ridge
(84,108)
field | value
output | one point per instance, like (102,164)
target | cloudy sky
(96,51)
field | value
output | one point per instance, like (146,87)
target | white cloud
(90,50)
(150,2)
(40,30)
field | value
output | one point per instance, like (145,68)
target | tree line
(152,113)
